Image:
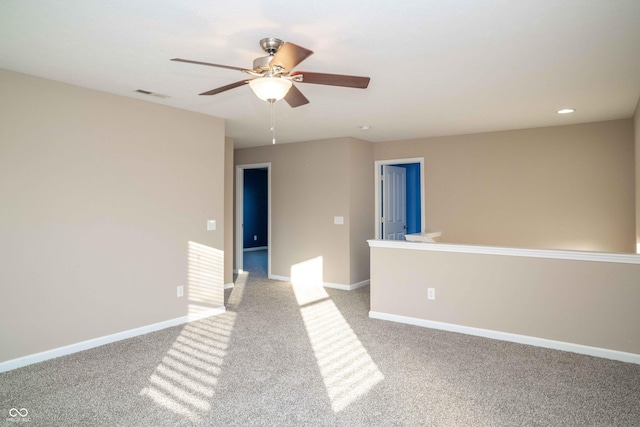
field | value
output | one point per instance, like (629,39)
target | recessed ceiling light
(365,127)
(566,111)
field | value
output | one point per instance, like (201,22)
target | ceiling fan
(273,75)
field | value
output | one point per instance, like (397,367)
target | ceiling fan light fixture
(270,88)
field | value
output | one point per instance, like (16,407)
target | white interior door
(394,208)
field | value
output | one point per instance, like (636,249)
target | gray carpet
(271,360)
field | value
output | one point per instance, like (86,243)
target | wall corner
(228,210)
(636,132)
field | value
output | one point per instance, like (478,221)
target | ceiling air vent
(146,92)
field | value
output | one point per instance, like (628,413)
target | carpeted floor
(284,355)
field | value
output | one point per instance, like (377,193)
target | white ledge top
(496,250)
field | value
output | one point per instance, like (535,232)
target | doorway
(401,196)
(253,219)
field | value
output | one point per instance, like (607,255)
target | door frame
(239,243)
(378,191)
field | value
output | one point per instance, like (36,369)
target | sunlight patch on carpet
(346,367)
(184,382)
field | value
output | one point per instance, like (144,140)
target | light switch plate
(211,224)
(338,220)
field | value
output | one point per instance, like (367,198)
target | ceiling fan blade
(208,63)
(289,55)
(333,79)
(227,87)
(295,98)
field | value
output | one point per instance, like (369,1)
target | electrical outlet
(255,237)
(431,293)
(180,291)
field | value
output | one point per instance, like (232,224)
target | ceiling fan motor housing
(262,63)
(271,45)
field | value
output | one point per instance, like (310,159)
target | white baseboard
(506,336)
(107,339)
(346,287)
(257,248)
(359,284)
(229,285)
(340,286)
(327,284)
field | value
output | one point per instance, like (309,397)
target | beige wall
(636,127)
(361,217)
(563,187)
(581,302)
(104,207)
(310,185)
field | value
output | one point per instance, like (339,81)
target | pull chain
(273,121)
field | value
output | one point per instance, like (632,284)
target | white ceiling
(437,67)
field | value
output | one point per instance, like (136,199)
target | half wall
(585,302)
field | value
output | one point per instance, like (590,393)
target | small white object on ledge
(426,237)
